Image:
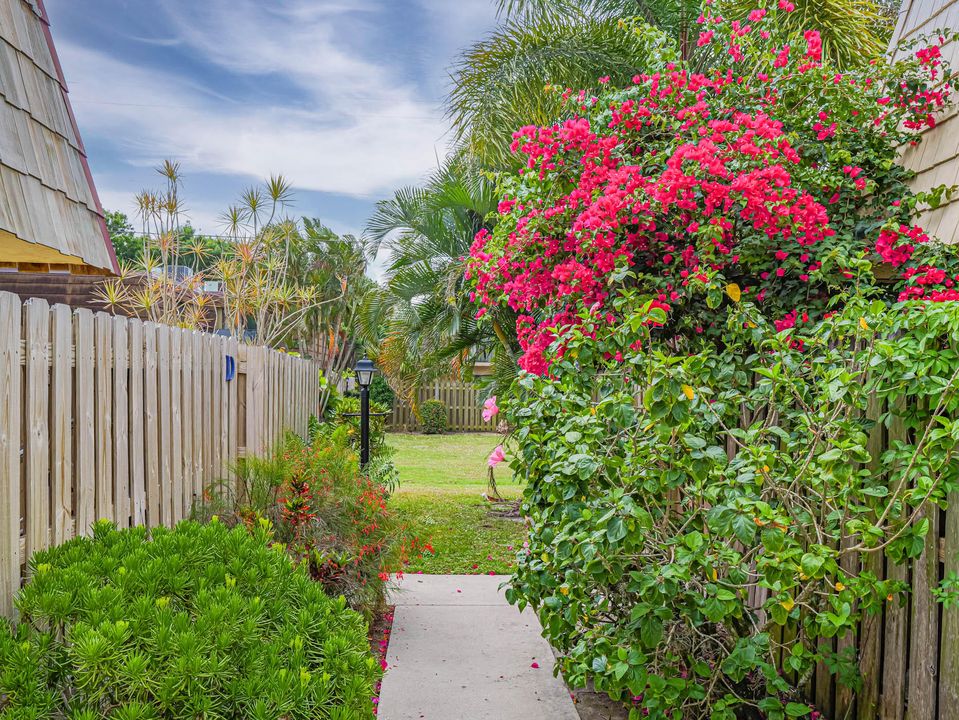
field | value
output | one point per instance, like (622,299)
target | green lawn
(442,478)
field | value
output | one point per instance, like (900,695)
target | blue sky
(343,97)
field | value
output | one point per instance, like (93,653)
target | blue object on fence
(230,368)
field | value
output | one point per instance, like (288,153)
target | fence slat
(895,646)
(151,395)
(121,420)
(10,328)
(196,388)
(85,427)
(233,402)
(166,425)
(924,631)
(137,427)
(949,653)
(870,643)
(103,389)
(36,458)
(61,423)
(223,403)
(188,485)
(211,410)
(176,427)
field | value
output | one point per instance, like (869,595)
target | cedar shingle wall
(45,196)
(936,158)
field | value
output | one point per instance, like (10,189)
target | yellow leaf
(863,324)
(734,292)
(545,557)
(788,603)
(689,392)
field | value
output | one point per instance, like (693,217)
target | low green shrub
(434,417)
(196,622)
(347,414)
(381,393)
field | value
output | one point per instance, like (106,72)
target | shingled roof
(936,158)
(49,209)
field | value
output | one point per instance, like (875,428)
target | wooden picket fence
(462,400)
(104,417)
(908,654)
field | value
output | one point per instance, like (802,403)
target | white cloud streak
(350,125)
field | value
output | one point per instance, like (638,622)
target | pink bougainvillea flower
(496,457)
(534,665)
(490,409)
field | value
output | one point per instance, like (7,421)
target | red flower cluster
(687,180)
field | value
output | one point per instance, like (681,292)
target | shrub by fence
(104,417)
(462,399)
(909,653)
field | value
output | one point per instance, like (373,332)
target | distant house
(936,158)
(53,239)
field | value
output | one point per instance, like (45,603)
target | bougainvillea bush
(722,292)
(769,171)
(198,621)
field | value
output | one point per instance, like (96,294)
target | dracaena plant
(261,266)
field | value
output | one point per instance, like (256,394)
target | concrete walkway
(459,651)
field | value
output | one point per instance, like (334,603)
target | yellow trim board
(13,249)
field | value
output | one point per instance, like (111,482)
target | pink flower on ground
(496,457)
(534,665)
(490,409)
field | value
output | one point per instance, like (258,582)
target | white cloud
(350,126)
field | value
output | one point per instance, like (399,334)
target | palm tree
(335,267)
(515,76)
(419,322)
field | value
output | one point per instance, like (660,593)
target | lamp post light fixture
(364,376)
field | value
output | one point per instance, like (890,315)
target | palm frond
(516,76)
(853,31)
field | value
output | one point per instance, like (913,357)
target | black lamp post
(364,376)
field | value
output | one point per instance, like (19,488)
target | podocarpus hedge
(199,621)
(693,260)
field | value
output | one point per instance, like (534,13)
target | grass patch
(442,478)
(447,461)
